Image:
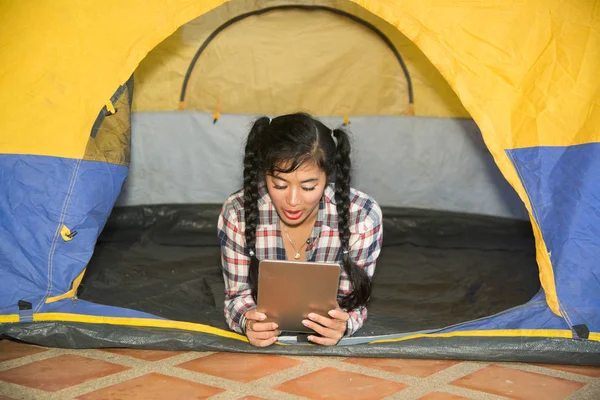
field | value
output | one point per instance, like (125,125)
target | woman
(289,210)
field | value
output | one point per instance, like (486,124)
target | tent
(476,127)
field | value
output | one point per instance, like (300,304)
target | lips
(293,214)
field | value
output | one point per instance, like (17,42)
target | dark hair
(282,145)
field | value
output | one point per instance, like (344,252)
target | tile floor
(30,372)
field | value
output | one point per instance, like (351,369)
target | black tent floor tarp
(436,269)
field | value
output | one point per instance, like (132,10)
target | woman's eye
(309,189)
(278,187)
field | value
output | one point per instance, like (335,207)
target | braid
(360,282)
(251,180)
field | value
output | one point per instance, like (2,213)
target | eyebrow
(304,181)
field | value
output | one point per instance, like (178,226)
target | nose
(293,198)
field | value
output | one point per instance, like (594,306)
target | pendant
(297,256)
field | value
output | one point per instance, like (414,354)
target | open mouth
(293,215)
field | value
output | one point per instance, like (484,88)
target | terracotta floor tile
(59,372)
(412,367)
(10,350)
(593,372)
(251,398)
(154,386)
(240,367)
(442,396)
(332,384)
(517,384)
(147,355)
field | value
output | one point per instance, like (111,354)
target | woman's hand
(260,334)
(331,329)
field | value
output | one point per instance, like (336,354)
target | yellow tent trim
(542,256)
(557,333)
(189,326)
(158,323)
(71,293)
(4,319)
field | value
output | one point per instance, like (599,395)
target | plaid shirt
(323,246)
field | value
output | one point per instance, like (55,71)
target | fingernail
(331,312)
(305,322)
(310,338)
(312,316)
(275,326)
(262,316)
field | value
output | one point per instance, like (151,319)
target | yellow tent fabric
(290,59)
(525,70)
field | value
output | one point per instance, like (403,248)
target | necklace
(297,255)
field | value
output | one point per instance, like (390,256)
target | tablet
(289,290)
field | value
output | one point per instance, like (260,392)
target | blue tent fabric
(39,195)
(563,186)
(534,314)
(82,307)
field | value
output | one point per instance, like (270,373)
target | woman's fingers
(260,334)
(320,329)
(339,314)
(263,343)
(335,324)
(323,340)
(260,326)
(330,329)
(255,315)
(265,335)
(324,321)
(323,331)
(263,338)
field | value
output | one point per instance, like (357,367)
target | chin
(294,222)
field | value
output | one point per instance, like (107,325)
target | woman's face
(296,195)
